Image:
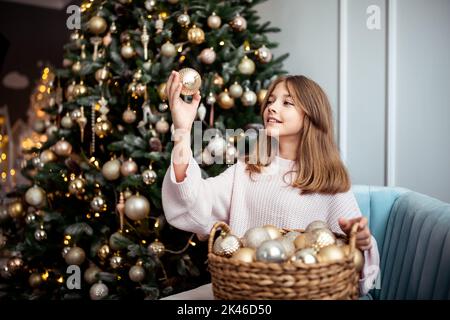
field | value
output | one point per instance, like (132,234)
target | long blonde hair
(319,166)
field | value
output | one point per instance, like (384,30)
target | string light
(44,276)
(221,43)
(60,279)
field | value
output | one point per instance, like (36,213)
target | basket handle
(220,224)
(353,233)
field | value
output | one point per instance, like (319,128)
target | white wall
(389,88)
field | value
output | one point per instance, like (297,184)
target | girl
(303,181)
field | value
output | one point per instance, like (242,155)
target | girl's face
(281,116)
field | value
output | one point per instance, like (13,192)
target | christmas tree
(93,204)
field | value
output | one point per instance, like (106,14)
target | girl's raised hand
(363,235)
(183,114)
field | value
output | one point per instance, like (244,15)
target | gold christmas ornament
(322,238)
(190,80)
(246,66)
(306,256)
(128,167)
(316,225)
(244,255)
(34,280)
(214,21)
(15,209)
(102,74)
(162,91)
(264,55)
(63,148)
(66,121)
(249,98)
(90,275)
(103,252)
(36,196)
(103,126)
(225,101)
(271,251)
(47,156)
(137,207)
(79,90)
(76,67)
(254,237)
(331,254)
(288,245)
(98,291)
(111,170)
(261,96)
(302,241)
(236,90)
(168,50)
(218,80)
(129,116)
(207,56)
(76,186)
(116,261)
(136,273)
(196,35)
(226,245)
(39,126)
(75,256)
(97,25)
(150,5)
(40,235)
(15,264)
(273,231)
(98,203)
(127,51)
(149,176)
(238,23)
(156,248)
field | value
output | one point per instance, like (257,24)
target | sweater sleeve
(195,204)
(345,205)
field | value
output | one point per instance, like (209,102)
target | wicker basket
(236,280)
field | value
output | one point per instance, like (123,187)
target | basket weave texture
(236,280)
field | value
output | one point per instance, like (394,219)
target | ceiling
(49,4)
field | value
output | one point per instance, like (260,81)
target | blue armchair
(413,235)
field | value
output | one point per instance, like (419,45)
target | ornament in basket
(271,263)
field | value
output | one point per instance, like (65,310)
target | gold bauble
(162,126)
(156,248)
(214,21)
(236,90)
(238,23)
(207,56)
(162,91)
(111,170)
(75,256)
(306,256)
(127,51)
(103,251)
(128,168)
(102,127)
(149,176)
(47,156)
(225,101)
(226,245)
(218,80)
(302,241)
(273,231)
(34,280)
(69,91)
(244,255)
(98,203)
(249,98)
(141,88)
(261,95)
(102,74)
(15,209)
(63,148)
(322,238)
(98,291)
(190,80)
(136,273)
(331,254)
(90,275)
(76,67)
(264,55)
(35,196)
(79,90)
(15,264)
(116,261)
(358,257)
(246,66)
(76,186)
(137,207)
(184,19)
(318,224)
(129,116)
(168,50)
(97,25)
(196,35)
(66,121)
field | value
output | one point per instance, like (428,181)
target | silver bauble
(136,273)
(98,291)
(66,121)
(98,203)
(190,81)
(129,116)
(318,224)
(40,235)
(39,126)
(236,90)
(63,148)
(168,50)
(271,251)
(90,275)
(127,51)
(238,23)
(111,170)
(254,237)
(249,98)
(226,245)
(149,176)
(246,66)
(47,156)
(292,235)
(288,245)
(128,167)
(273,231)
(163,106)
(35,196)
(207,158)
(230,154)
(214,21)
(162,126)
(150,5)
(264,55)
(137,207)
(75,256)
(65,251)
(156,248)
(207,56)
(307,256)
(217,146)
(210,99)
(116,261)
(184,19)
(30,218)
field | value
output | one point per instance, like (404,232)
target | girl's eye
(269,101)
(289,103)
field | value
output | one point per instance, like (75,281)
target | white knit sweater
(195,204)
